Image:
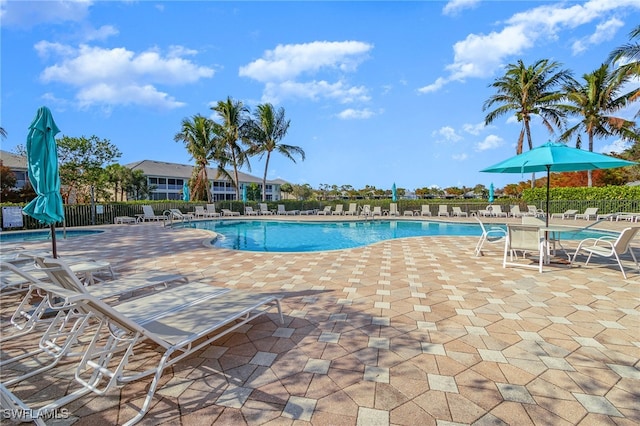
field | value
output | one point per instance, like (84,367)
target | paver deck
(413,331)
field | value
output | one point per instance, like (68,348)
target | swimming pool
(281,236)
(44,235)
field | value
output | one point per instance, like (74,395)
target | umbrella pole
(54,249)
(548,186)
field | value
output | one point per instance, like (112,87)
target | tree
(302,192)
(137,186)
(199,137)
(116,176)
(629,53)
(82,161)
(530,91)
(595,102)
(3,133)
(265,131)
(286,188)
(231,132)
(7,182)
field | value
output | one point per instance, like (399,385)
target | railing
(101,214)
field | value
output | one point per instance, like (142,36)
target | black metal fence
(101,214)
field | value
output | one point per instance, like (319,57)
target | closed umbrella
(394,195)
(42,166)
(244,193)
(556,157)
(185,192)
(491,189)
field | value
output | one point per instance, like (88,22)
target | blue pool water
(44,235)
(279,236)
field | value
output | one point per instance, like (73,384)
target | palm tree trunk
(264,178)
(589,176)
(528,130)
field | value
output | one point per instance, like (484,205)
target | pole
(548,186)
(54,249)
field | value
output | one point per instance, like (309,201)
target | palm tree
(199,138)
(528,91)
(629,53)
(595,102)
(3,133)
(231,132)
(267,128)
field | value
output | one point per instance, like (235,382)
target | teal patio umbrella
(244,193)
(556,157)
(491,192)
(42,168)
(394,193)
(185,192)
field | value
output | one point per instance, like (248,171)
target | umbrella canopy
(394,194)
(556,157)
(185,192)
(42,166)
(491,192)
(244,193)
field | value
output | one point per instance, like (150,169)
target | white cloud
(460,157)
(490,142)
(27,14)
(615,146)
(119,76)
(453,7)
(314,90)
(289,61)
(474,129)
(447,134)
(604,32)
(480,55)
(350,114)
(290,71)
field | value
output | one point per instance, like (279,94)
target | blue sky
(377,92)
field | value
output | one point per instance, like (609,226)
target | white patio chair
(393,209)
(493,234)
(443,210)
(610,247)
(338,210)
(425,211)
(211,211)
(353,210)
(525,239)
(590,212)
(457,211)
(264,209)
(325,211)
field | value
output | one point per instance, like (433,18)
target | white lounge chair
(377,211)
(497,211)
(568,214)
(493,234)
(590,212)
(227,212)
(199,212)
(264,209)
(457,211)
(353,210)
(249,211)
(393,209)
(425,211)
(211,211)
(176,214)
(325,211)
(149,215)
(178,322)
(443,210)
(515,211)
(610,247)
(524,239)
(338,210)
(281,209)
(534,211)
(366,211)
